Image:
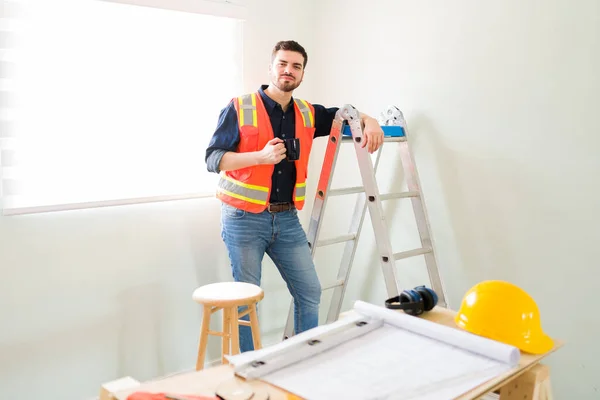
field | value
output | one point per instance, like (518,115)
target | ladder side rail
(320,201)
(347,260)
(423,226)
(324,184)
(373,202)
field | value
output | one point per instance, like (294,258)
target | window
(109,103)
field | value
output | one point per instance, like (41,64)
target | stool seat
(237,300)
(227,294)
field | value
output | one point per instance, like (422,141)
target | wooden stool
(228,296)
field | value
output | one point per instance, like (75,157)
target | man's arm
(231,160)
(225,139)
(272,153)
(366,119)
(324,119)
(372,131)
(222,155)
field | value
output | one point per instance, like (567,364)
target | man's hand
(273,152)
(373,134)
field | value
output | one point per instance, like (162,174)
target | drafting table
(529,378)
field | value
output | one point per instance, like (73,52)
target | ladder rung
(411,253)
(337,239)
(361,189)
(394,139)
(350,190)
(213,333)
(346,138)
(333,285)
(399,195)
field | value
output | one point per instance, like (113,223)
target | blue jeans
(248,236)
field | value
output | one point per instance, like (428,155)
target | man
(263,186)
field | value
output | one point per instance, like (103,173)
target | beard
(286,86)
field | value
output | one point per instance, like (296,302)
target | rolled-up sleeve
(324,119)
(225,138)
(214,159)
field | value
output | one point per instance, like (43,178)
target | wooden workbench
(530,380)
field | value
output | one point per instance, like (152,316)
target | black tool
(292,149)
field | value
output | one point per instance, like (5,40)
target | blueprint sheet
(407,358)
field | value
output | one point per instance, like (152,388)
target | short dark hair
(290,45)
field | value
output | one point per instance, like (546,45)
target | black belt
(279,207)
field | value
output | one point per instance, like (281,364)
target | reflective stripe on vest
(309,122)
(248,114)
(307,116)
(300,192)
(243,191)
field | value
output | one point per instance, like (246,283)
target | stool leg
(235,331)
(206,313)
(255,326)
(226,334)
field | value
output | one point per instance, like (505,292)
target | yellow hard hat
(504,312)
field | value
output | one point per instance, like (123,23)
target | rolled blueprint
(477,344)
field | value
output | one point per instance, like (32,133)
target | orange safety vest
(250,188)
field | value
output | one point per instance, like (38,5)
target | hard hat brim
(539,345)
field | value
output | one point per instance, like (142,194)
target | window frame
(236,9)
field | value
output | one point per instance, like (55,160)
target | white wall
(502,103)
(89,296)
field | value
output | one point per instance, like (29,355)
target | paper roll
(477,344)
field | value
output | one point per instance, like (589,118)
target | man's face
(287,70)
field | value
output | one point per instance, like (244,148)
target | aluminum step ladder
(347,128)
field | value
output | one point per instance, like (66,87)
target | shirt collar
(269,102)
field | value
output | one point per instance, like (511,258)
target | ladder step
(412,253)
(385,196)
(389,132)
(350,190)
(394,139)
(346,138)
(337,239)
(333,285)
(399,195)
